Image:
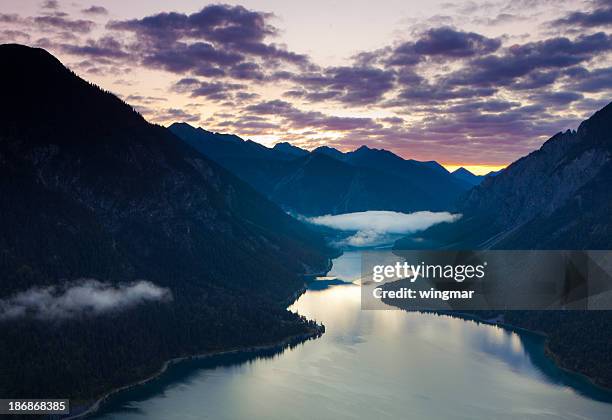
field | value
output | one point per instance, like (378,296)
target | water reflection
(187,373)
(372,364)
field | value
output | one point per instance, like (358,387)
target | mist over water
(371,228)
(373,365)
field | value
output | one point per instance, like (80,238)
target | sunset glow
(463,82)
(475,169)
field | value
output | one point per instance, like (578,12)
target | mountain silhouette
(330,152)
(289,149)
(466,176)
(91,190)
(557,197)
(328,181)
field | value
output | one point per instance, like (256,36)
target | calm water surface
(372,365)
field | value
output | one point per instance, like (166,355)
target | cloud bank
(378,227)
(83,297)
(463,85)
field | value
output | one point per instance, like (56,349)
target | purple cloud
(246,96)
(446,89)
(354,85)
(600,16)
(201,58)
(50,4)
(249,125)
(215,91)
(13,35)
(416,90)
(9,18)
(520,60)
(95,10)
(62,23)
(247,71)
(105,47)
(297,119)
(556,100)
(596,80)
(448,42)
(217,40)
(443,42)
(173,114)
(465,134)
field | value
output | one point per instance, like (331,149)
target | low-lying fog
(82,297)
(374,228)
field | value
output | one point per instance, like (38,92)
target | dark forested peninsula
(91,190)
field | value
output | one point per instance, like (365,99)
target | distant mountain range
(558,197)
(467,177)
(289,149)
(328,181)
(470,178)
(91,190)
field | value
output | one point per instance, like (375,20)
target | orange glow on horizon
(475,169)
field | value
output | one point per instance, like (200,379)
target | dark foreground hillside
(91,190)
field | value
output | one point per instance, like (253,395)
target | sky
(466,83)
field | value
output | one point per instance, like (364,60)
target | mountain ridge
(360,180)
(467,176)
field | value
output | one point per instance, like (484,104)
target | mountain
(390,162)
(90,190)
(466,176)
(557,197)
(220,147)
(494,173)
(289,149)
(318,184)
(331,152)
(252,162)
(328,181)
(429,177)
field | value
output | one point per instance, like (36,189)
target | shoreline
(316,332)
(295,339)
(500,321)
(547,351)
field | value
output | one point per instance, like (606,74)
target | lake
(383,364)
